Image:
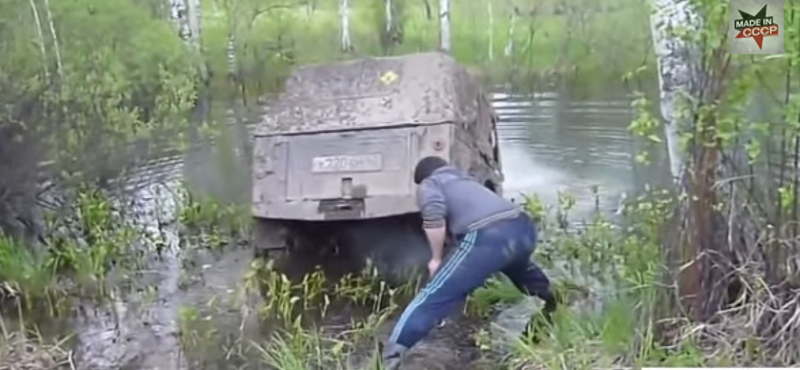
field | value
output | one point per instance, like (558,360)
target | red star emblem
(761,27)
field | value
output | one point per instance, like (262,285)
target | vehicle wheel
(268,238)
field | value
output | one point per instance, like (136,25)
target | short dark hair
(426,166)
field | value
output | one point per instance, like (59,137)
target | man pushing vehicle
(492,235)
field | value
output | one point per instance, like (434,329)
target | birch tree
(185,16)
(40,33)
(678,62)
(389,17)
(388,10)
(444,25)
(179,14)
(713,231)
(54,36)
(344,17)
(678,66)
(491,29)
(509,49)
(734,261)
(230,50)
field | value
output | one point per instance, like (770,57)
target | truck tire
(268,238)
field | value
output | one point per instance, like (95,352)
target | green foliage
(548,39)
(81,253)
(622,331)
(104,240)
(22,273)
(106,73)
(208,217)
(497,291)
(288,301)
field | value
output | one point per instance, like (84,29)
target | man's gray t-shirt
(449,196)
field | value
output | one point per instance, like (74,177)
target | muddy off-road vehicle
(336,152)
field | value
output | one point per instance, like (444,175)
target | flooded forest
(660,168)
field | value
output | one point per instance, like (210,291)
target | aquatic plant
(211,222)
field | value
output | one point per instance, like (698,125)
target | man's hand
(433,265)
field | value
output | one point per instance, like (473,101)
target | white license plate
(347,163)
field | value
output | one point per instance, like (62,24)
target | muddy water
(549,142)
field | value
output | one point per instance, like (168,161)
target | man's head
(426,166)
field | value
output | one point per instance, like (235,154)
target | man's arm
(436,239)
(433,208)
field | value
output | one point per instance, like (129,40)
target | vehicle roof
(420,88)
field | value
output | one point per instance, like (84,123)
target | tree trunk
(193,22)
(179,16)
(38,21)
(344,14)
(678,71)
(388,6)
(509,49)
(56,47)
(444,25)
(428,13)
(185,15)
(230,54)
(230,48)
(712,240)
(491,29)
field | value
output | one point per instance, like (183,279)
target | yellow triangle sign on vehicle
(389,77)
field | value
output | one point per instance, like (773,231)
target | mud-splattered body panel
(335,149)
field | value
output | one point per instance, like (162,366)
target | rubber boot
(392,355)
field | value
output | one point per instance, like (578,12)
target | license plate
(347,163)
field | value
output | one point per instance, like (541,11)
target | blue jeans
(504,246)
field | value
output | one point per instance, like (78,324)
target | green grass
(22,273)
(79,251)
(498,290)
(210,221)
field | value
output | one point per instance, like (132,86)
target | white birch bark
(678,71)
(231,53)
(491,29)
(185,15)
(388,4)
(179,15)
(56,47)
(509,49)
(230,48)
(344,14)
(309,8)
(196,27)
(41,38)
(193,22)
(444,25)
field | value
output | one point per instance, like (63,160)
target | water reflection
(551,142)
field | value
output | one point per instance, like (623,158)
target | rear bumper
(337,209)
